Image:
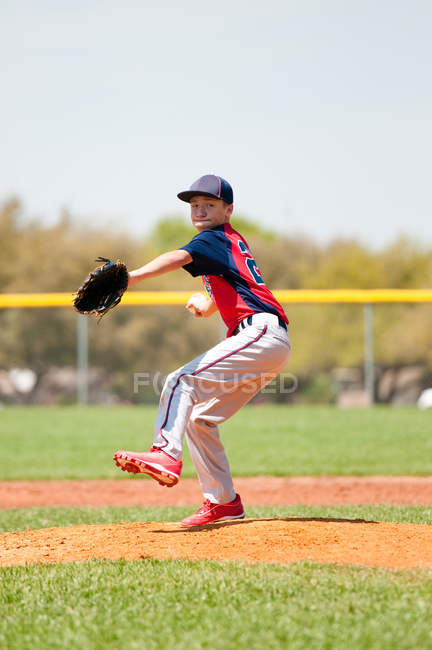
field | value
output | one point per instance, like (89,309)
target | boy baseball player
(207,391)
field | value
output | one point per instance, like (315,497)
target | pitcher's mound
(279,541)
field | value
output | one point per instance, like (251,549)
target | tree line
(48,258)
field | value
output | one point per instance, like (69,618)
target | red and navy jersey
(230,275)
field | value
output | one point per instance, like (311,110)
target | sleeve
(208,253)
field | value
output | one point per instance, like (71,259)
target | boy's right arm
(164,263)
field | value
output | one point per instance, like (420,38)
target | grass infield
(182,605)
(152,604)
(56,443)
(25,518)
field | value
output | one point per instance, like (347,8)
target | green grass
(152,604)
(41,443)
(190,605)
(25,518)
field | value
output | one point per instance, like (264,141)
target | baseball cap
(209,185)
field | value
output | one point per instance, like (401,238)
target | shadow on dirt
(244,522)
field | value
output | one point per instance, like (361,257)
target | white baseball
(197,302)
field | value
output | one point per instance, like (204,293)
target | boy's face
(207,212)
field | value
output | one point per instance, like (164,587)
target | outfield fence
(367,297)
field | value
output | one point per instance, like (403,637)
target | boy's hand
(199,305)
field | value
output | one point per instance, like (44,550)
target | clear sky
(318,112)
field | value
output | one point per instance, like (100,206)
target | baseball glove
(102,289)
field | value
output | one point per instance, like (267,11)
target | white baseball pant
(197,397)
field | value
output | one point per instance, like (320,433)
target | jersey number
(250,263)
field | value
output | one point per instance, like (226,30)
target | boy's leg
(224,378)
(228,376)
(206,449)
(164,465)
(221,501)
(210,460)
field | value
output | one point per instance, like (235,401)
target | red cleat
(156,463)
(211,512)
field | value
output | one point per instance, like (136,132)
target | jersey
(230,275)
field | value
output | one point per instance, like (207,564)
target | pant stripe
(209,365)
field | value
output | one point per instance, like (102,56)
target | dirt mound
(254,540)
(263,490)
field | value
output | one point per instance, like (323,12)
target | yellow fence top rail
(18,300)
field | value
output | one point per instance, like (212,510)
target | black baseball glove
(102,289)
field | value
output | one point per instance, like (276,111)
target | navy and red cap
(209,185)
